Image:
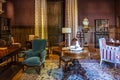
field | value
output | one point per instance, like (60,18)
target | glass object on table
(75,45)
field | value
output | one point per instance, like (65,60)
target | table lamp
(85,24)
(67,31)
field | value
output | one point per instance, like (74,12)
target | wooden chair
(12,41)
(2,43)
(109,53)
(63,58)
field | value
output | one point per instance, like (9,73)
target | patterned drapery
(41,19)
(71,16)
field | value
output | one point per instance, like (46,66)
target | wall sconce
(1,2)
(85,24)
(67,32)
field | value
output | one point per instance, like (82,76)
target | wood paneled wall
(21,35)
(22,15)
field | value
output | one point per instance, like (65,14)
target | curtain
(71,16)
(41,19)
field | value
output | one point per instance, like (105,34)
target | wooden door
(54,18)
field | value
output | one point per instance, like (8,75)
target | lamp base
(85,30)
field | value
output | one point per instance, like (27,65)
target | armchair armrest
(32,53)
(108,52)
(43,56)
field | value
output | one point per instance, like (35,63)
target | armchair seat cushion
(32,61)
(32,53)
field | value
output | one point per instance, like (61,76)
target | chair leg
(65,67)
(39,70)
(115,65)
(43,65)
(89,55)
(59,62)
(100,62)
(23,68)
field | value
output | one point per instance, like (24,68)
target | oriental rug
(92,67)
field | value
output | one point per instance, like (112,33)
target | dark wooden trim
(22,26)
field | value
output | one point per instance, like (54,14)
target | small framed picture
(101,25)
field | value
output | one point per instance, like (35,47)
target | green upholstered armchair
(35,57)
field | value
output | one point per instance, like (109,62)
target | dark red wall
(21,12)
(96,9)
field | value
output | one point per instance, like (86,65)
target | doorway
(55,21)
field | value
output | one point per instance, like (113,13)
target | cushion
(31,53)
(65,59)
(32,61)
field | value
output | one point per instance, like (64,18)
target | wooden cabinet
(101,30)
(4,28)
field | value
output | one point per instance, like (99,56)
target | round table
(76,54)
(75,67)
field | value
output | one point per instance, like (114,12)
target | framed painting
(101,25)
(101,30)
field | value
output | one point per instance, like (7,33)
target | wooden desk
(11,52)
(9,58)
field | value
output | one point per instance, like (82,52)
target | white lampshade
(66,30)
(31,37)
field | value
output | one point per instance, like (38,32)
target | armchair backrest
(38,44)
(102,42)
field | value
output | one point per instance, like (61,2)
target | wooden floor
(14,73)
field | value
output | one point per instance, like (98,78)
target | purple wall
(96,9)
(22,13)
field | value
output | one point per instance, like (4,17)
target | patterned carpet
(93,71)
(96,72)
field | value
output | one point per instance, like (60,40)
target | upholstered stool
(66,60)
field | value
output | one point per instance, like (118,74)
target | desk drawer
(3,52)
